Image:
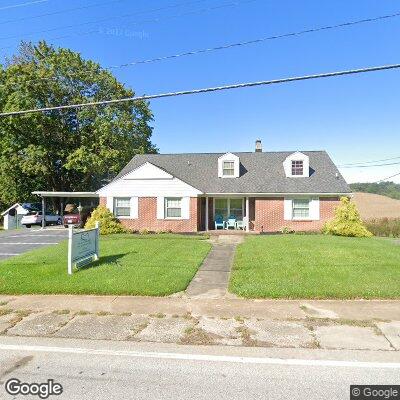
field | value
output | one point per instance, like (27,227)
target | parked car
(75,218)
(35,218)
(72,218)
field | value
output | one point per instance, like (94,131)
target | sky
(354,118)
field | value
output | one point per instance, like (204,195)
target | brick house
(262,191)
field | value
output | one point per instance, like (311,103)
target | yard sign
(83,247)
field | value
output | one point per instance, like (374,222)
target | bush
(389,227)
(347,221)
(108,223)
(286,230)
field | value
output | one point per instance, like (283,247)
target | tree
(65,150)
(389,189)
(347,221)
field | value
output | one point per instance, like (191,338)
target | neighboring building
(268,191)
(13,215)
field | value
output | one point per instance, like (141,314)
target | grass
(156,265)
(316,267)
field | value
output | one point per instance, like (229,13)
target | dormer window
(228,168)
(297,167)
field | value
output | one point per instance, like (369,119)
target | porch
(226,214)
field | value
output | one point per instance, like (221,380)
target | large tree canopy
(74,149)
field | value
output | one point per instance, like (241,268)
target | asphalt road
(20,241)
(128,370)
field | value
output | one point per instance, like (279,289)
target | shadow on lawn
(112,259)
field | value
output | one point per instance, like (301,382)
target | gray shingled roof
(259,172)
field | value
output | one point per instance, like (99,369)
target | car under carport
(63,196)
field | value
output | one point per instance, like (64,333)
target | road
(129,370)
(20,241)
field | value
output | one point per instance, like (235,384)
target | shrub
(108,223)
(389,227)
(286,230)
(347,221)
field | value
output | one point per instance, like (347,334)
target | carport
(62,196)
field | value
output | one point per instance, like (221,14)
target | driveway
(15,242)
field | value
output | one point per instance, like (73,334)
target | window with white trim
(173,207)
(122,206)
(301,208)
(228,168)
(297,167)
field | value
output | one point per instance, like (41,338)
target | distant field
(376,206)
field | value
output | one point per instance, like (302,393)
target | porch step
(226,239)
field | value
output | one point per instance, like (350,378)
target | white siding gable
(229,157)
(297,156)
(148,171)
(148,181)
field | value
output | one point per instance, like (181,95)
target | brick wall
(269,215)
(148,217)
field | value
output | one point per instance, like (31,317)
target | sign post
(83,247)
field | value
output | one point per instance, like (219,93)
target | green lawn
(316,266)
(151,265)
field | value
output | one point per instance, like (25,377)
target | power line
(368,162)
(204,90)
(237,44)
(234,3)
(24,4)
(260,40)
(389,177)
(59,12)
(369,166)
(232,45)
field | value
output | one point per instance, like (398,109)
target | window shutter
(160,207)
(237,168)
(220,168)
(134,207)
(185,207)
(287,209)
(314,209)
(110,204)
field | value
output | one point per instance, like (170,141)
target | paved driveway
(16,242)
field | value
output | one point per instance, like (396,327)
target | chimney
(258,146)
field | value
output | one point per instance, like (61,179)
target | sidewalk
(351,325)
(227,307)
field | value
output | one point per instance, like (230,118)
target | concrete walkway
(211,280)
